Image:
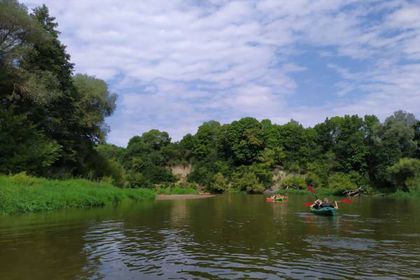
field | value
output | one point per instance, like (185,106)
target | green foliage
(416,128)
(405,174)
(53,124)
(247,181)
(173,189)
(313,179)
(94,104)
(53,119)
(18,31)
(294,182)
(145,159)
(22,194)
(219,183)
(244,140)
(23,147)
(340,182)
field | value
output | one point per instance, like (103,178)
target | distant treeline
(52,125)
(341,153)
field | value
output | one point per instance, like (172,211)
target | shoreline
(182,196)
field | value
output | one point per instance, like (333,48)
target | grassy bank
(319,192)
(404,195)
(23,194)
(176,190)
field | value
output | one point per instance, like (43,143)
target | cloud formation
(176,64)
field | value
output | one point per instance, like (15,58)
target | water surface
(224,237)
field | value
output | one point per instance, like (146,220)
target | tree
(219,183)
(417,139)
(405,174)
(23,147)
(145,160)
(94,104)
(18,31)
(206,141)
(245,140)
(37,88)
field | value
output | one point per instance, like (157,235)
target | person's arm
(336,204)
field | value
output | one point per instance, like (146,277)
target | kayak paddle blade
(346,200)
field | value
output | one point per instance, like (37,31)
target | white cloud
(179,63)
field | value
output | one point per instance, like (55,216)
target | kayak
(324,211)
(280,199)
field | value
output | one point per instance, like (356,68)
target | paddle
(312,190)
(346,201)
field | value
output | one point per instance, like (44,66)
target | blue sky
(176,64)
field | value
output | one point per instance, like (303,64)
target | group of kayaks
(315,208)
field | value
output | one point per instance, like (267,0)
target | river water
(224,237)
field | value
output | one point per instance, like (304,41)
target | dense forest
(52,125)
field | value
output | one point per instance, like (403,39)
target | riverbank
(371,192)
(182,196)
(23,194)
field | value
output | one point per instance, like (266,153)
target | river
(223,237)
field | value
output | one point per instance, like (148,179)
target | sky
(176,64)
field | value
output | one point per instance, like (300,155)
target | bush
(340,182)
(247,182)
(293,182)
(219,183)
(313,179)
(405,174)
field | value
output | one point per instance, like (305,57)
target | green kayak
(324,211)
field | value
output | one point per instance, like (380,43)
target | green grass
(404,195)
(176,190)
(22,194)
(319,192)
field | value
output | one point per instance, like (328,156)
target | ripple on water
(228,246)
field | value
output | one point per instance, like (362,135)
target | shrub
(248,182)
(313,179)
(340,182)
(219,183)
(293,182)
(405,174)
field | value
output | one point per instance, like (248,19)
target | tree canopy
(52,123)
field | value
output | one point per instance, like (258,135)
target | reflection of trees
(53,245)
(229,232)
(240,223)
(42,246)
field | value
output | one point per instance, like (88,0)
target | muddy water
(223,237)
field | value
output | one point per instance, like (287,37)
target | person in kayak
(317,204)
(278,197)
(327,203)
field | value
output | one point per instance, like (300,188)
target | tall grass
(21,194)
(405,195)
(176,190)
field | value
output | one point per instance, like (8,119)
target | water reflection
(233,236)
